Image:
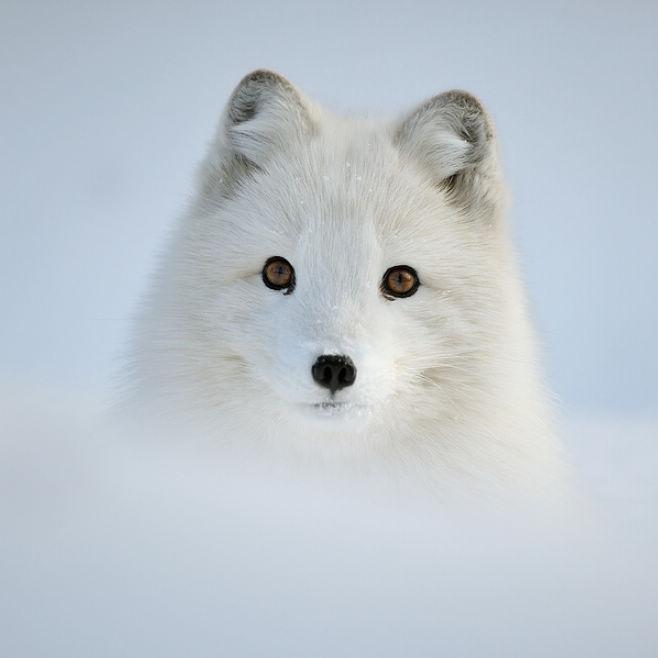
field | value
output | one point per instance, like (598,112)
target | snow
(117,543)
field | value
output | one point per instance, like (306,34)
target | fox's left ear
(452,136)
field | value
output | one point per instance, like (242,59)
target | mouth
(327,406)
(332,412)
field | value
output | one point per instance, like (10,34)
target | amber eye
(400,281)
(279,274)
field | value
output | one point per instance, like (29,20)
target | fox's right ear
(264,114)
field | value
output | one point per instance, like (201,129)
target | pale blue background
(106,108)
(111,545)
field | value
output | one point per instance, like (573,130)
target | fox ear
(263,114)
(452,136)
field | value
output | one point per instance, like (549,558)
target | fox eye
(279,274)
(399,281)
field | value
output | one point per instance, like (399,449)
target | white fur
(447,386)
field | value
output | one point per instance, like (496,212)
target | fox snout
(334,371)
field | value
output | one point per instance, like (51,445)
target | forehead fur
(348,183)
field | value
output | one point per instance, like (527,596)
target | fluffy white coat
(447,387)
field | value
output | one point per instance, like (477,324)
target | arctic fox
(346,291)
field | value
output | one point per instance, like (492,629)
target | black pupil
(400,279)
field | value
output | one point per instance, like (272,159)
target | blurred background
(107,107)
(105,110)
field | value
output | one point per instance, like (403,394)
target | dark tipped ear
(453,137)
(264,113)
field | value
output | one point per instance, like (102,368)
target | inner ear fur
(452,136)
(264,114)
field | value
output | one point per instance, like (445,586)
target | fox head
(340,276)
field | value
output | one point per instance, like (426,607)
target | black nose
(334,371)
